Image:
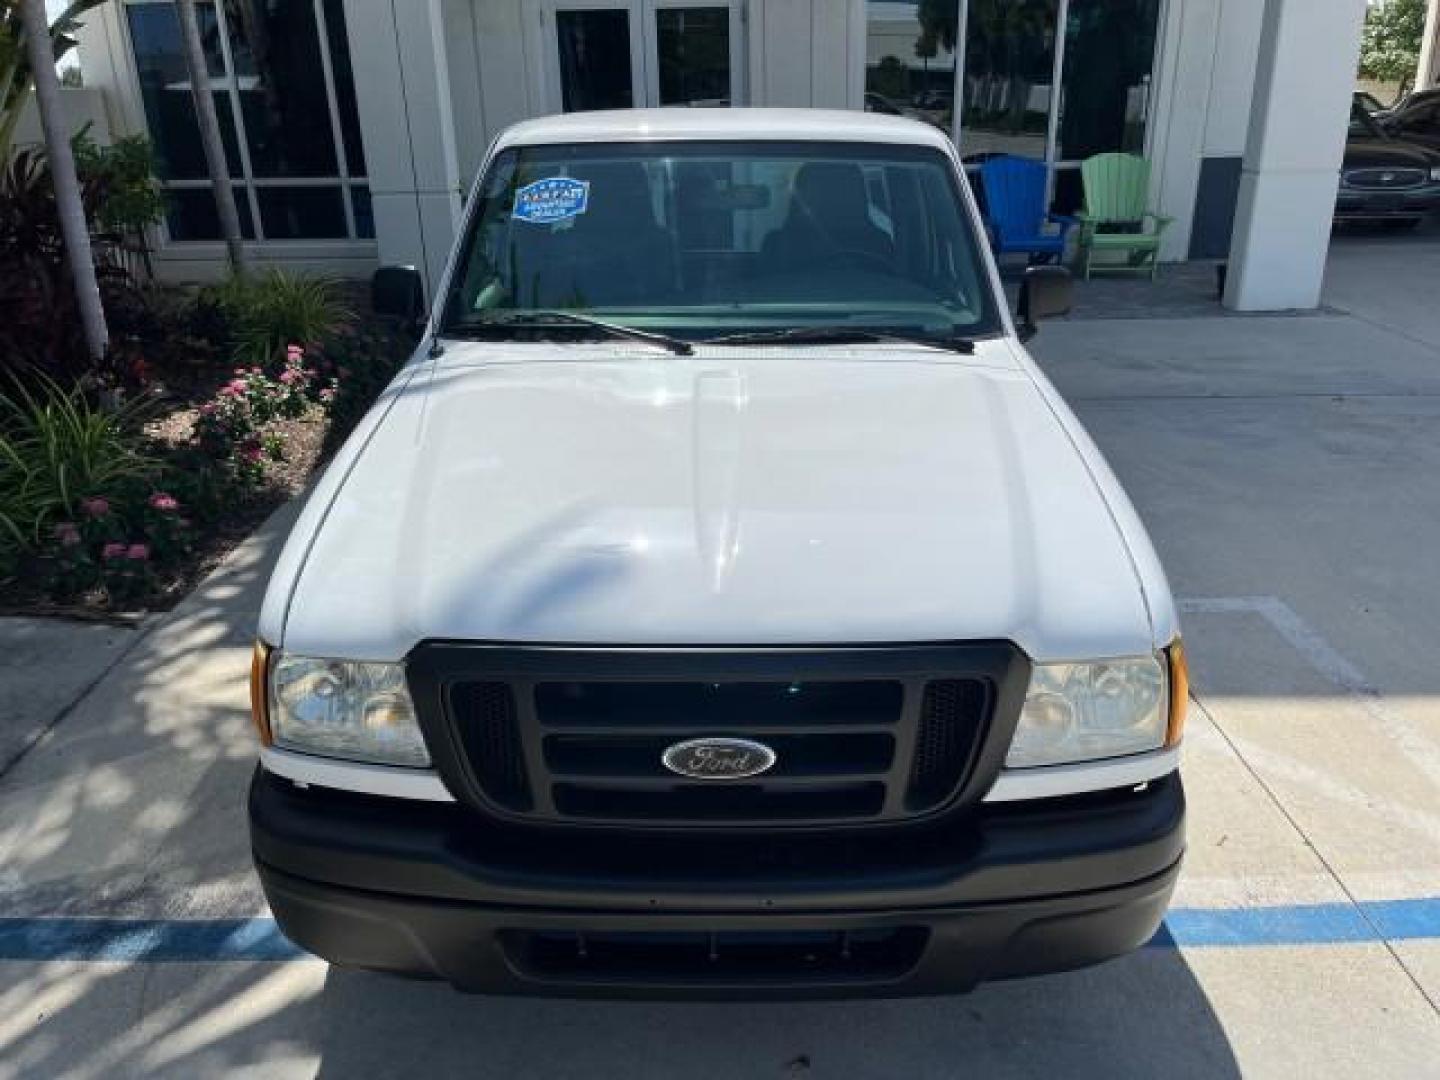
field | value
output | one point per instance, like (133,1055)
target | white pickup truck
(721,602)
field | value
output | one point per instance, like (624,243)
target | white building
(354,127)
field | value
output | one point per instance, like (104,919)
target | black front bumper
(435,890)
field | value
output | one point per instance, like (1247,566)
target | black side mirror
(1045,292)
(398,292)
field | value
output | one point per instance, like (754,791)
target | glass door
(693,52)
(605,54)
(1055,80)
(598,62)
(1010,68)
(1105,87)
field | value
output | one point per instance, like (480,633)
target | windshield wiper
(839,335)
(533,320)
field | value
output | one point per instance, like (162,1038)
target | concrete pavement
(1286,469)
(45,666)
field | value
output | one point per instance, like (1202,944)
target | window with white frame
(285,96)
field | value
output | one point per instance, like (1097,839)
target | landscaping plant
(58,448)
(265,313)
(39,319)
(235,427)
(120,549)
(122,195)
(354,367)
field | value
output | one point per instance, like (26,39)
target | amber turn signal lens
(1179,692)
(259,692)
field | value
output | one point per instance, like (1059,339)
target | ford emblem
(718,759)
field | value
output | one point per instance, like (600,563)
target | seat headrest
(833,190)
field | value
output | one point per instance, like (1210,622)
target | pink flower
(251,452)
(96,507)
(137,552)
(67,534)
(288,376)
(294,352)
(113,551)
(236,386)
(166,504)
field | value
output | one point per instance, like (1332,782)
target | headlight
(344,709)
(1435,173)
(1080,712)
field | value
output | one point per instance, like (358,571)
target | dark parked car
(1413,99)
(1369,102)
(1416,120)
(1384,178)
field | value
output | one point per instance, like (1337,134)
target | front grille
(1380,179)
(562,736)
(491,737)
(950,718)
(699,957)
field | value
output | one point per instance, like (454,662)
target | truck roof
(728,125)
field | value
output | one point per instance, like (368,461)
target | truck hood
(744,497)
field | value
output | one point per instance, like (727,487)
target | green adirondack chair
(1116,218)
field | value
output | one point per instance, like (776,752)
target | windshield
(705,239)
(1363,125)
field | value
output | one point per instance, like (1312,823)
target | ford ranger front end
(721,602)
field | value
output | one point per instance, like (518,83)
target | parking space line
(150,940)
(1303,924)
(1327,661)
(260,939)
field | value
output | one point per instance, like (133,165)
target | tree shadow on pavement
(1141,1016)
(1144,1015)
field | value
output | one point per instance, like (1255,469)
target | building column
(1427,72)
(402,89)
(1299,114)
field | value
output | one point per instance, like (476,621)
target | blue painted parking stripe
(212,940)
(1315,924)
(1406,920)
(144,939)
(1302,924)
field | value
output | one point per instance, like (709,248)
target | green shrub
(358,366)
(40,328)
(57,449)
(265,313)
(120,181)
(120,548)
(236,428)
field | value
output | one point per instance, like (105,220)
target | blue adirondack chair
(1015,205)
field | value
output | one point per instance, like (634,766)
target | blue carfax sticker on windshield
(554,199)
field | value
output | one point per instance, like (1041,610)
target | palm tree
(71,211)
(209,123)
